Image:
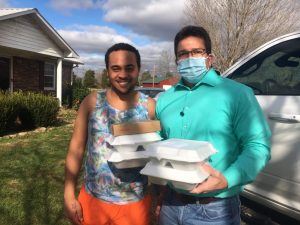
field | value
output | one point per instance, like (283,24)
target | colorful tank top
(102,179)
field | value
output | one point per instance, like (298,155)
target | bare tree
(166,63)
(238,26)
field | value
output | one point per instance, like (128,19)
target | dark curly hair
(126,47)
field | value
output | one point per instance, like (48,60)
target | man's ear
(211,60)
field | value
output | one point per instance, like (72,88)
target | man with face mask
(206,107)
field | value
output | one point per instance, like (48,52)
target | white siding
(24,33)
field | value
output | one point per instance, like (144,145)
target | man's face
(191,44)
(122,71)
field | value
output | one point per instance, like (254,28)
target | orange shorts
(98,212)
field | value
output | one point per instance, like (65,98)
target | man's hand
(73,211)
(160,198)
(157,212)
(216,181)
(158,206)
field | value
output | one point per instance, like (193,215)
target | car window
(153,93)
(150,92)
(276,71)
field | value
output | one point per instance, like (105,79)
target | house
(161,82)
(33,56)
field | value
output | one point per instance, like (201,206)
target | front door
(4,73)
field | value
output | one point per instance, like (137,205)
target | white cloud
(159,19)
(92,38)
(68,5)
(4,4)
(91,61)
(91,42)
(150,53)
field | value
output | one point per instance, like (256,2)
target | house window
(49,76)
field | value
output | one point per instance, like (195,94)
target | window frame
(47,75)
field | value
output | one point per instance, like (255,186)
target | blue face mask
(192,69)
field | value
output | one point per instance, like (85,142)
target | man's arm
(74,158)
(253,133)
(151,108)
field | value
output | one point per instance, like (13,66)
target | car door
(273,72)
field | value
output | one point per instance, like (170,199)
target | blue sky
(91,26)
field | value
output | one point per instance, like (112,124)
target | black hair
(125,47)
(194,31)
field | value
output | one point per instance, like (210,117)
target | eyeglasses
(197,52)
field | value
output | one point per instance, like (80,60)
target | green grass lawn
(32,177)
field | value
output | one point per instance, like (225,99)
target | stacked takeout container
(129,142)
(177,161)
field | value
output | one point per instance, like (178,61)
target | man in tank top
(108,195)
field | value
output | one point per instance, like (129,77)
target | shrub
(79,92)
(9,110)
(38,110)
(67,96)
(32,109)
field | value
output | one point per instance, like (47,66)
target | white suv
(273,72)
(151,91)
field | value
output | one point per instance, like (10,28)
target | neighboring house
(33,56)
(160,82)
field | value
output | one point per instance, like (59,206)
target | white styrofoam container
(128,159)
(180,150)
(135,139)
(179,165)
(126,148)
(130,143)
(156,180)
(183,179)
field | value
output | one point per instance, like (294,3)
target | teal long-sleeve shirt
(226,114)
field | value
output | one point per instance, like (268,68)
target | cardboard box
(139,127)
(132,141)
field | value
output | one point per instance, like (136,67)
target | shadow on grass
(32,180)
(37,197)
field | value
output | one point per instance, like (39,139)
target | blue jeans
(220,212)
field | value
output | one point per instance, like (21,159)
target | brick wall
(66,74)
(26,74)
